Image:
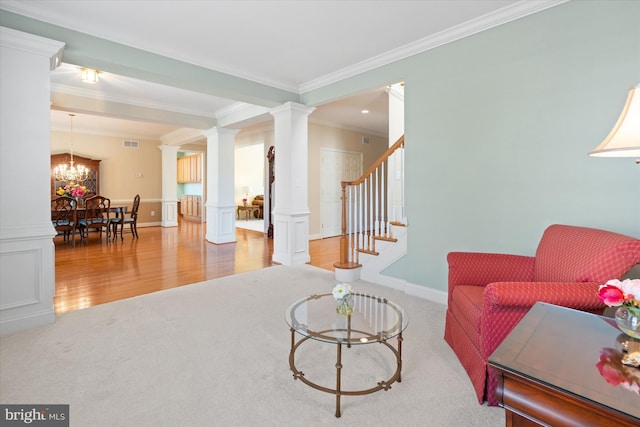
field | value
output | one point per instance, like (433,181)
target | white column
(396,112)
(395,176)
(169,185)
(27,252)
(291,208)
(221,208)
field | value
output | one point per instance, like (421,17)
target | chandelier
(70,173)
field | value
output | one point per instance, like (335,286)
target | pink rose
(610,294)
(77,191)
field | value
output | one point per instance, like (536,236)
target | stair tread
(348,265)
(365,251)
(386,239)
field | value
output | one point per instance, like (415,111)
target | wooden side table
(248,210)
(562,367)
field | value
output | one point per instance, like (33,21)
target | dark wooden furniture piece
(561,367)
(80,212)
(92,182)
(132,220)
(271,156)
(96,217)
(63,217)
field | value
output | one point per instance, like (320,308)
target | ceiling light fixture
(89,75)
(71,174)
(624,138)
(365,111)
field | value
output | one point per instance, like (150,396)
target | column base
(221,224)
(347,274)
(291,238)
(169,213)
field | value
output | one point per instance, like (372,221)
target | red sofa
(489,293)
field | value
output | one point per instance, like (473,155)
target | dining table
(119,211)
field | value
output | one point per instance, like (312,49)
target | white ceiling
(291,45)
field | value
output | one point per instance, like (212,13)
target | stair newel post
(344,242)
(383,201)
(361,214)
(352,225)
(377,227)
(365,214)
(401,154)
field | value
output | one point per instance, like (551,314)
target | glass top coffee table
(373,320)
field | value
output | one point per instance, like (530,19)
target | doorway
(249,185)
(337,166)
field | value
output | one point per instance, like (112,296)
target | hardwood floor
(161,258)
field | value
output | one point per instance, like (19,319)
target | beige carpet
(216,354)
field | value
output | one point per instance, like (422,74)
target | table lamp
(624,138)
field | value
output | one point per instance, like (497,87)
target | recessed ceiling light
(365,111)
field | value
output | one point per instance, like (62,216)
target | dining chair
(132,220)
(63,217)
(96,216)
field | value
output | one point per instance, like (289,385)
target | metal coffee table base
(382,385)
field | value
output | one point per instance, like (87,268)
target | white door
(336,166)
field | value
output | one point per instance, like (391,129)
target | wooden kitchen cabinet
(189,169)
(191,207)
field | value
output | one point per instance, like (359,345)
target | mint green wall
(498,126)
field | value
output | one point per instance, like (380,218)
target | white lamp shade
(624,138)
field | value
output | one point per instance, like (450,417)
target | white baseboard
(430,294)
(423,292)
(28,321)
(149,224)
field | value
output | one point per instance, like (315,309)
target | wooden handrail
(398,144)
(344,241)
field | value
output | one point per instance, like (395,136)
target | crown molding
(33,44)
(507,14)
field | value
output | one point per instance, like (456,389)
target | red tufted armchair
(490,293)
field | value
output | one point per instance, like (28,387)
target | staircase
(374,228)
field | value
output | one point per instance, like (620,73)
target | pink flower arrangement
(72,190)
(615,293)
